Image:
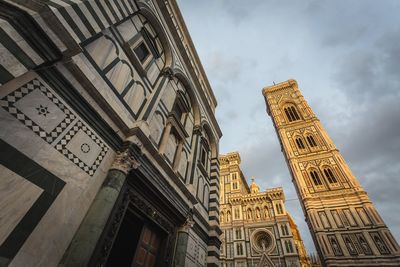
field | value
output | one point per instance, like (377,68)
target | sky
(345,56)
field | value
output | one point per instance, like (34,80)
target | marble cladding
(38,108)
(39,124)
(196,251)
(16,198)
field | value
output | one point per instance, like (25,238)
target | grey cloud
(224,67)
(345,56)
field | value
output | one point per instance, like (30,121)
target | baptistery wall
(107,131)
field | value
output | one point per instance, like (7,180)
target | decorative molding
(126,160)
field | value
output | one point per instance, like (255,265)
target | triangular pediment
(265,261)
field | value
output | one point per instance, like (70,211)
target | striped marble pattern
(17,195)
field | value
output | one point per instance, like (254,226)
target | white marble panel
(135,97)
(137,22)
(10,63)
(127,30)
(84,147)
(156,126)
(153,73)
(41,110)
(120,76)
(169,95)
(103,51)
(171,147)
(16,197)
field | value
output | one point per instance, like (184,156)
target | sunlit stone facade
(346,227)
(256,228)
(108,139)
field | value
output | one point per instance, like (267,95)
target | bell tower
(346,228)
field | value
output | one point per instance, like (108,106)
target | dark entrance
(137,244)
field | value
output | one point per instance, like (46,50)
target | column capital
(197,129)
(128,158)
(189,223)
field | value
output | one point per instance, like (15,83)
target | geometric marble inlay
(38,109)
(45,114)
(83,147)
(41,110)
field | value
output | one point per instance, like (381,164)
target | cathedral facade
(108,138)
(346,227)
(256,228)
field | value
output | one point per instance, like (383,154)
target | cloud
(344,55)
(224,67)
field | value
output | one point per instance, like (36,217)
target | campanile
(346,227)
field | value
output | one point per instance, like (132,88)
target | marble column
(85,240)
(178,154)
(165,137)
(182,242)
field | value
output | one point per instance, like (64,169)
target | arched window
(238,233)
(315,178)
(239,249)
(237,214)
(221,217)
(311,141)
(291,113)
(279,209)
(228,216)
(300,143)
(266,212)
(258,214)
(329,175)
(249,214)
(288,246)
(234,185)
(284,230)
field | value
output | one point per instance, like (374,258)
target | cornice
(280,86)
(231,156)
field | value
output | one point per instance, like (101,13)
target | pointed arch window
(329,175)
(284,229)
(311,141)
(291,113)
(289,246)
(249,214)
(239,249)
(258,213)
(315,178)
(300,143)
(238,233)
(237,214)
(279,209)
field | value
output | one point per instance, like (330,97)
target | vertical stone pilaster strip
(182,242)
(88,234)
(214,243)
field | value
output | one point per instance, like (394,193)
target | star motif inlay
(42,110)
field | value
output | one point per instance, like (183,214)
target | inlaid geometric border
(8,104)
(51,185)
(9,101)
(61,146)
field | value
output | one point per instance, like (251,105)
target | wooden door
(147,248)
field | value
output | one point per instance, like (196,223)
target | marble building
(346,227)
(108,137)
(256,228)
